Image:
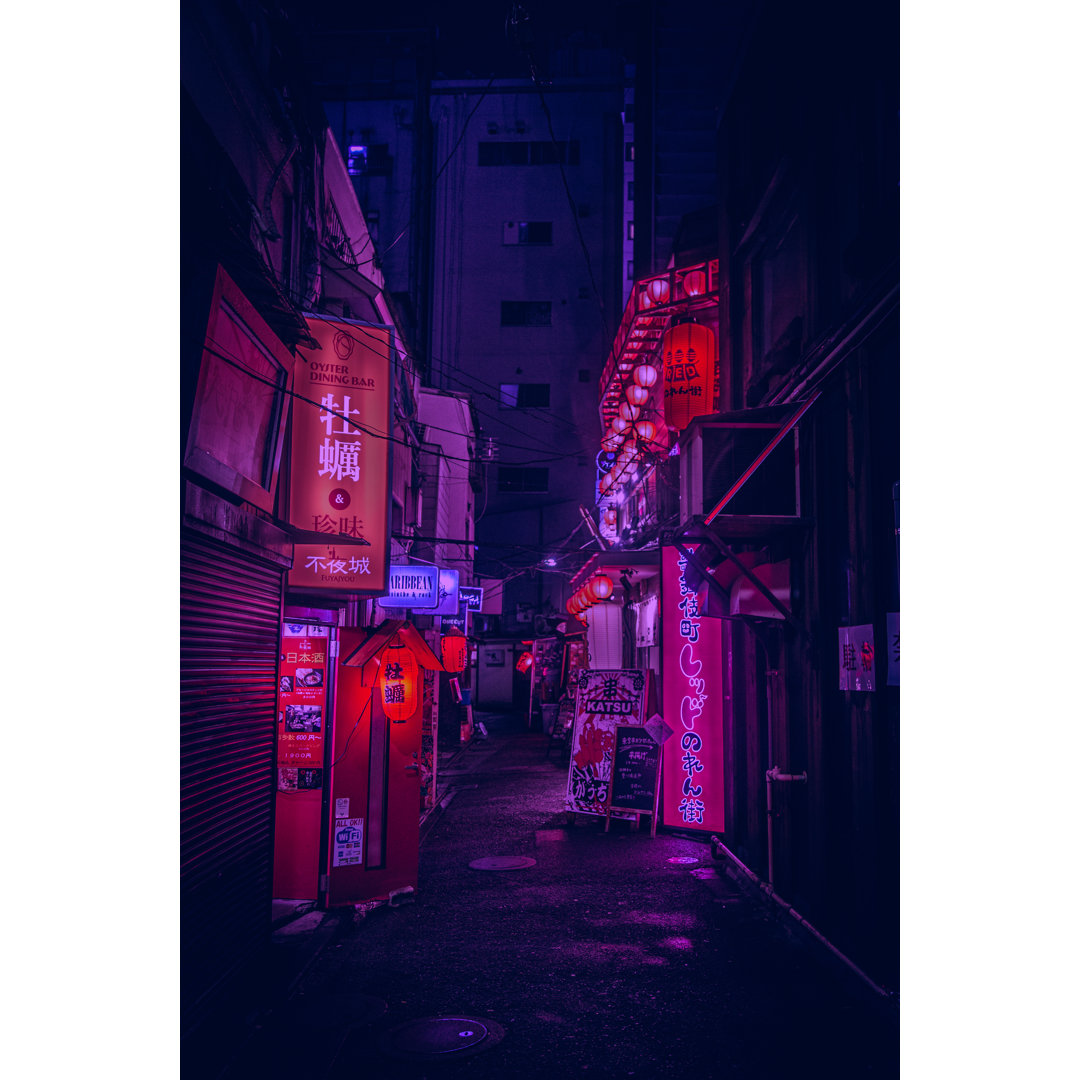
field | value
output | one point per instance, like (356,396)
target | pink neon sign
(693,695)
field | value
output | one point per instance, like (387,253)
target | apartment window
(527,232)
(522,481)
(525,313)
(530,395)
(629,269)
(520,152)
(371,160)
(629,230)
(629,151)
(629,190)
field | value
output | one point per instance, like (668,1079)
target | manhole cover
(683,860)
(437,1036)
(502,862)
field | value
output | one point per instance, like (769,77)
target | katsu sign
(339,483)
(605,700)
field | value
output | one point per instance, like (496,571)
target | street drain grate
(502,862)
(437,1037)
(683,860)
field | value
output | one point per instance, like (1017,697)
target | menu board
(635,771)
(302,706)
(604,700)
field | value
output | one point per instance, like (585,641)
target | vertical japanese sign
(339,482)
(605,700)
(693,695)
(857,657)
(302,706)
(892,629)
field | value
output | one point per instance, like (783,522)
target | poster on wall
(857,657)
(339,480)
(605,700)
(693,650)
(302,706)
(892,629)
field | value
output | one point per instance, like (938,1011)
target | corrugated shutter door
(230,610)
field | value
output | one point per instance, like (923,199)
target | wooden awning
(383,635)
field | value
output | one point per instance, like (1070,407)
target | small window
(629,151)
(629,230)
(527,232)
(629,269)
(522,481)
(628,113)
(629,190)
(357,160)
(583,375)
(524,395)
(373,160)
(525,313)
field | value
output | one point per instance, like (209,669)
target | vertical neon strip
(693,703)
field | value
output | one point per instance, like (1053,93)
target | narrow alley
(615,955)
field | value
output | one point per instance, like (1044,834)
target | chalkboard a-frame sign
(634,786)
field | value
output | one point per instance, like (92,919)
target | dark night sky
(472,35)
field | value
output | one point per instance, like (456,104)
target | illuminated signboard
(605,700)
(473,595)
(339,482)
(301,706)
(412,587)
(448,593)
(693,697)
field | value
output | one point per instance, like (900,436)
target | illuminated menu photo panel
(693,703)
(340,478)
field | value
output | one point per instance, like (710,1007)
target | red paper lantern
(646,429)
(629,413)
(524,662)
(611,516)
(619,425)
(398,677)
(600,587)
(689,353)
(694,283)
(658,290)
(637,395)
(646,375)
(454,650)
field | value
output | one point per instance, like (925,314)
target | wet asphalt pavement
(607,959)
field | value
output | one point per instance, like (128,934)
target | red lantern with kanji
(399,674)
(689,354)
(454,650)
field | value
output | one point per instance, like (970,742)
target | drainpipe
(774,775)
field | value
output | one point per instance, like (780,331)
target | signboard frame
(656,752)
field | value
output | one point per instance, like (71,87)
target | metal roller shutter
(230,611)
